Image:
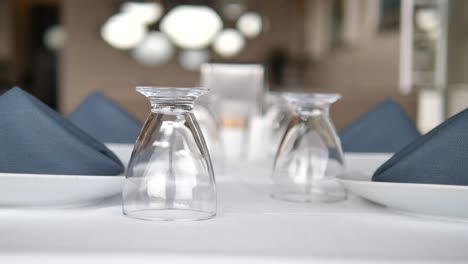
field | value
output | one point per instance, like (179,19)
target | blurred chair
(237,92)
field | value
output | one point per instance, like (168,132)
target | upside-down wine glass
(310,155)
(170,175)
(205,112)
(278,115)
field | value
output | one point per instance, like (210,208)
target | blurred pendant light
(146,12)
(428,20)
(192,59)
(54,37)
(155,49)
(250,24)
(233,10)
(229,43)
(191,27)
(123,31)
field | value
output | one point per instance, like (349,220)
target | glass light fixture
(193,59)
(229,43)
(191,27)
(233,11)
(155,49)
(145,12)
(250,24)
(54,37)
(123,31)
(427,19)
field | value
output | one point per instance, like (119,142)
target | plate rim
(400,184)
(58,176)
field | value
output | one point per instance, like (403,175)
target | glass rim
(189,93)
(305,97)
(139,214)
(169,88)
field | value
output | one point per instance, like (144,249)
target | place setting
(233,131)
(425,178)
(159,175)
(48,161)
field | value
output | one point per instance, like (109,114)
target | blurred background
(414,51)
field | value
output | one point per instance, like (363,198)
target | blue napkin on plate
(439,157)
(105,120)
(385,128)
(36,139)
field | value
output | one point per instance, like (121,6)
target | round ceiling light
(155,49)
(229,43)
(192,59)
(54,37)
(191,27)
(250,24)
(232,11)
(427,19)
(146,13)
(123,31)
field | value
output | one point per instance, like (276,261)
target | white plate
(61,190)
(365,162)
(434,200)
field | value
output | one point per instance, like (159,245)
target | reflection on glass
(278,114)
(170,175)
(310,156)
(205,112)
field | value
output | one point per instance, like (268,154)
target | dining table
(250,227)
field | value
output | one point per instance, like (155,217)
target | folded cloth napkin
(36,139)
(385,128)
(439,157)
(105,120)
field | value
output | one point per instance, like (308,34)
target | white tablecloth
(249,227)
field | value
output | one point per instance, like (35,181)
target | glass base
(310,197)
(169,215)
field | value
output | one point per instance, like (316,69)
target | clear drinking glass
(310,155)
(205,111)
(170,175)
(278,114)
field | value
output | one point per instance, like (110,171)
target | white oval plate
(365,162)
(434,200)
(61,190)
(56,190)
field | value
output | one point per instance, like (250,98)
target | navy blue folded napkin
(105,120)
(385,128)
(439,157)
(36,139)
